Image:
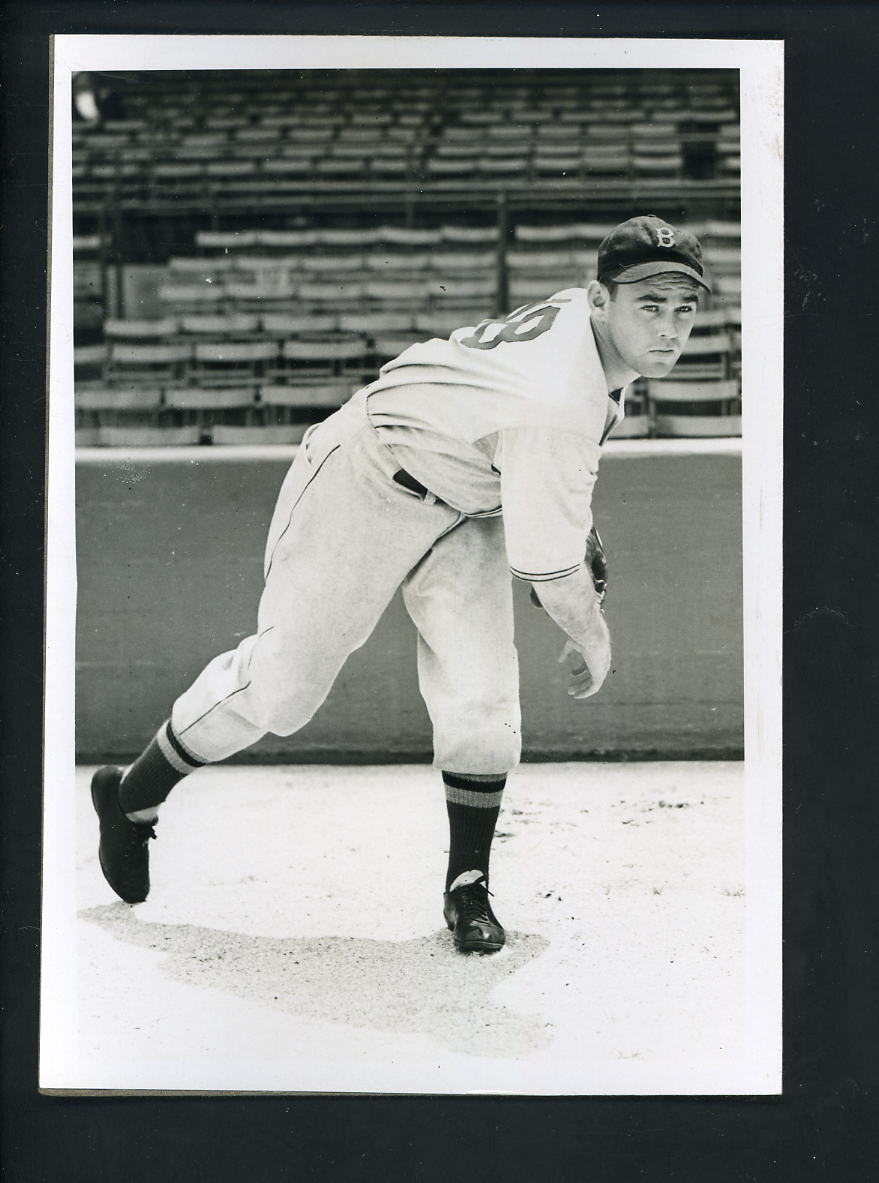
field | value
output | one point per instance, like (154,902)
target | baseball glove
(597,562)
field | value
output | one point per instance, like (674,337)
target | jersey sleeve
(547,478)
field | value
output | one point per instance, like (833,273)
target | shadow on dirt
(420,986)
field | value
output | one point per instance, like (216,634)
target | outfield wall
(169,566)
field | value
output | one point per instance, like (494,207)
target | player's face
(648,322)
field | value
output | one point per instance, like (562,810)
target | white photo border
(761,65)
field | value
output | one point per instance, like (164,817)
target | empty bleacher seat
(347,236)
(406,236)
(471,235)
(88,363)
(259,434)
(286,324)
(227,326)
(340,295)
(388,345)
(376,322)
(229,363)
(303,361)
(133,329)
(139,436)
(179,298)
(322,264)
(704,358)
(145,363)
(259,295)
(463,290)
(402,294)
(117,406)
(637,421)
(227,240)
(287,399)
(385,262)
(705,408)
(189,269)
(203,407)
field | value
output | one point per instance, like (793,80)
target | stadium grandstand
(250,246)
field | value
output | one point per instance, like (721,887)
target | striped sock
(473,804)
(156,771)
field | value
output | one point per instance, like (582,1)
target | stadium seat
(227,169)
(404,295)
(376,322)
(557,166)
(728,288)
(115,406)
(460,263)
(136,436)
(302,361)
(471,235)
(226,363)
(188,269)
(187,406)
(439,323)
(341,295)
(159,329)
(229,326)
(258,295)
(322,264)
(709,320)
(696,408)
(388,345)
(145,363)
(89,362)
(463,147)
(705,358)
(404,236)
(501,166)
(657,166)
(348,236)
(636,423)
(281,239)
(181,298)
(285,397)
(285,324)
(460,167)
(260,434)
(227,240)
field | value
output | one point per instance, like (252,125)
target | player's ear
(598,297)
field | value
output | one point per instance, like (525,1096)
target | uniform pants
(344,536)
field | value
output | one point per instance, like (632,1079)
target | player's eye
(650,307)
(686,309)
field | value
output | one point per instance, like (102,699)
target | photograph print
(409,693)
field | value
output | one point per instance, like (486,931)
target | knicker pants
(344,536)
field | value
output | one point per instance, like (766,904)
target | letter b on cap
(665,236)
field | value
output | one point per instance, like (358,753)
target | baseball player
(466,461)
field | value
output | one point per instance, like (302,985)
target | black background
(822,1128)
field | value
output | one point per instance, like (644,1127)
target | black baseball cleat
(468,914)
(124,847)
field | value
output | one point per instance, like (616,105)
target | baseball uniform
(468,459)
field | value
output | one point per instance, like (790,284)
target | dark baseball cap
(647,246)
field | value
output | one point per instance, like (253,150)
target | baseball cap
(646,246)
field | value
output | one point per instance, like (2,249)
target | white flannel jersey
(507,417)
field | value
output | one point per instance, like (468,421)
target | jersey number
(522,325)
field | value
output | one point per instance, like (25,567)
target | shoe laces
(139,834)
(472,901)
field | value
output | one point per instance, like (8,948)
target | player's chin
(658,363)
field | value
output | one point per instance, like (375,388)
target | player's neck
(616,372)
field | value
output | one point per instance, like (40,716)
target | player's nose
(667,329)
